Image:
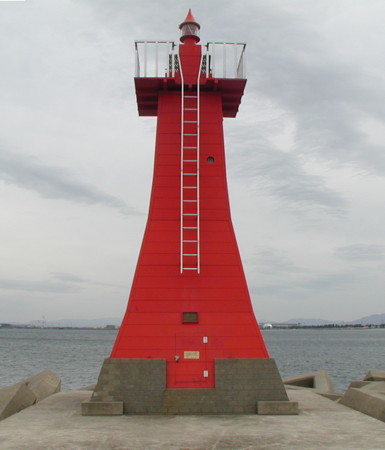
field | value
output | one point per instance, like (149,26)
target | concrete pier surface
(56,423)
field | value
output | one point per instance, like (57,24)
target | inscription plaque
(191,355)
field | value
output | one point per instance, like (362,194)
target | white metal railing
(155,59)
(160,59)
(226,59)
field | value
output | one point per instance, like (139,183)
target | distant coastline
(36,327)
(113,323)
(317,327)
(288,326)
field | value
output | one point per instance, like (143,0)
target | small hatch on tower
(190,317)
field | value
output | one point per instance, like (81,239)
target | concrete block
(320,381)
(375,375)
(102,408)
(43,384)
(277,408)
(331,396)
(366,401)
(358,384)
(91,387)
(15,398)
(374,386)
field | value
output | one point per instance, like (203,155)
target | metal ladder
(189,178)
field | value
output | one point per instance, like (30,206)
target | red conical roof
(189,19)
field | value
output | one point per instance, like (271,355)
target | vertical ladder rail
(181,166)
(198,169)
(196,174)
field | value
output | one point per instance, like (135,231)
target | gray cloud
(361,252)
(61,283)
(71,278)
(45,286)
(54,182)
(329,97)
(68,277)
(306,285)
(282,175)
(326,281)
(272,261)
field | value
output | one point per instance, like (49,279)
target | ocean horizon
(76,355)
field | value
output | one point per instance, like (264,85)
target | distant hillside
(374,319)
(311,322)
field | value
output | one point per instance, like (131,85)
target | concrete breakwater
(56,422)
(28,392)
(366,396)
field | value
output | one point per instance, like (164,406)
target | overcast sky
(305,155)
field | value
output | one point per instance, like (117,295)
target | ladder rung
(190,160)
(189,241)
(190,228)
(190,96)
(190,134)
(190,121)
(190,254)
(190,201)
(190,174)
(190,214)
(190,187)
(190,148)
(189,268)
(191,109)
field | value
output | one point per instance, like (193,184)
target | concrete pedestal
(140,384)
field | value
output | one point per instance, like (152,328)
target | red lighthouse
(189,320)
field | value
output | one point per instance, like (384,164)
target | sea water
(77,355)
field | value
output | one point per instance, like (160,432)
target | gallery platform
(57,423)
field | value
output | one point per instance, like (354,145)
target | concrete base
(141,385)
(277,408)
(102,408)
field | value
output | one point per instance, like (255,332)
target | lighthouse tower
(189,341)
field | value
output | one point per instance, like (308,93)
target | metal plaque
(191,355)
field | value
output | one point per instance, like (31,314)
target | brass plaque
(191,355)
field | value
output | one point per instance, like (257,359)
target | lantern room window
(190,29)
